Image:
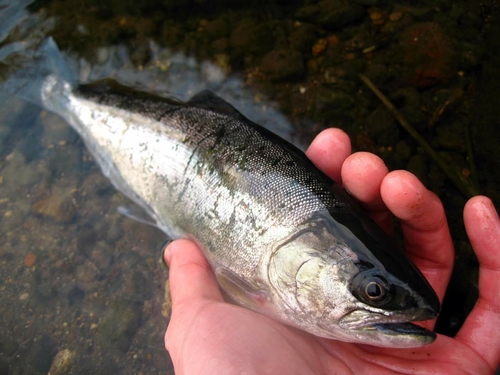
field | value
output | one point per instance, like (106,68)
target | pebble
(59,207)
(118,326)
(319,47)
(62,362)
(24,296)
(30,260)
(86,273)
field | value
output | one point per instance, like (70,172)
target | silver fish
(282,238)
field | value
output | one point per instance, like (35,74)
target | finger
(481,329)
(190,274)
(423,221)
(329,150)
(362,175)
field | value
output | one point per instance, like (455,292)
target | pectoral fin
(240,291)
(138,214)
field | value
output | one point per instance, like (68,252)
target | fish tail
(44,79)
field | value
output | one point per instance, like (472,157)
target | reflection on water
(81,285)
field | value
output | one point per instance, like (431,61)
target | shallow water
(80,282)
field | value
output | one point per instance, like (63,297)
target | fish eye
(374,291)
(371,288)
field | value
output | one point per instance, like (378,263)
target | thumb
(190,274)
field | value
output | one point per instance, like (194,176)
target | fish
(282,238)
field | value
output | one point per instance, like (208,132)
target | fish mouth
(391,328)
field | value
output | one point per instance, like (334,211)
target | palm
(263,345)
(207,336)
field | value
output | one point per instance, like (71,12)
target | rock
(74,295)
(101,257)
(58,206)
(452,136)
(118,326)
(44,292)
(29,260)
(407,96)
(418,119)
(332,14)
(113,233)
(87,238)
(19,173)
(429,55)
(13,218)
(86,273)
(62,362)
(281,65)
(382,127)
(251,38)
(302,38)
(339,99)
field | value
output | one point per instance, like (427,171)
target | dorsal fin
(208,100)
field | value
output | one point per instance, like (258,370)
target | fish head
(334,286)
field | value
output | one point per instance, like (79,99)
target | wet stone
(86,274)
(452,136)
(59,207)
(86,240)
(75,295)
(101,257)
(382,127)
(407,97)
(303,38)
(415,117)
(251,38)
(114,233)
(62,362)
(96,183)
(281,65)
(429,55)
(118,326)
(14,218)
(332,14)
(71,293)
(44,293)
(19,173)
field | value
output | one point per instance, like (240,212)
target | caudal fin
(46,64)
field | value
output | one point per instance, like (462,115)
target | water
(79,281)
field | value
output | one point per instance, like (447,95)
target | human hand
(208,336)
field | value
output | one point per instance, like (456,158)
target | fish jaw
(383,330)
